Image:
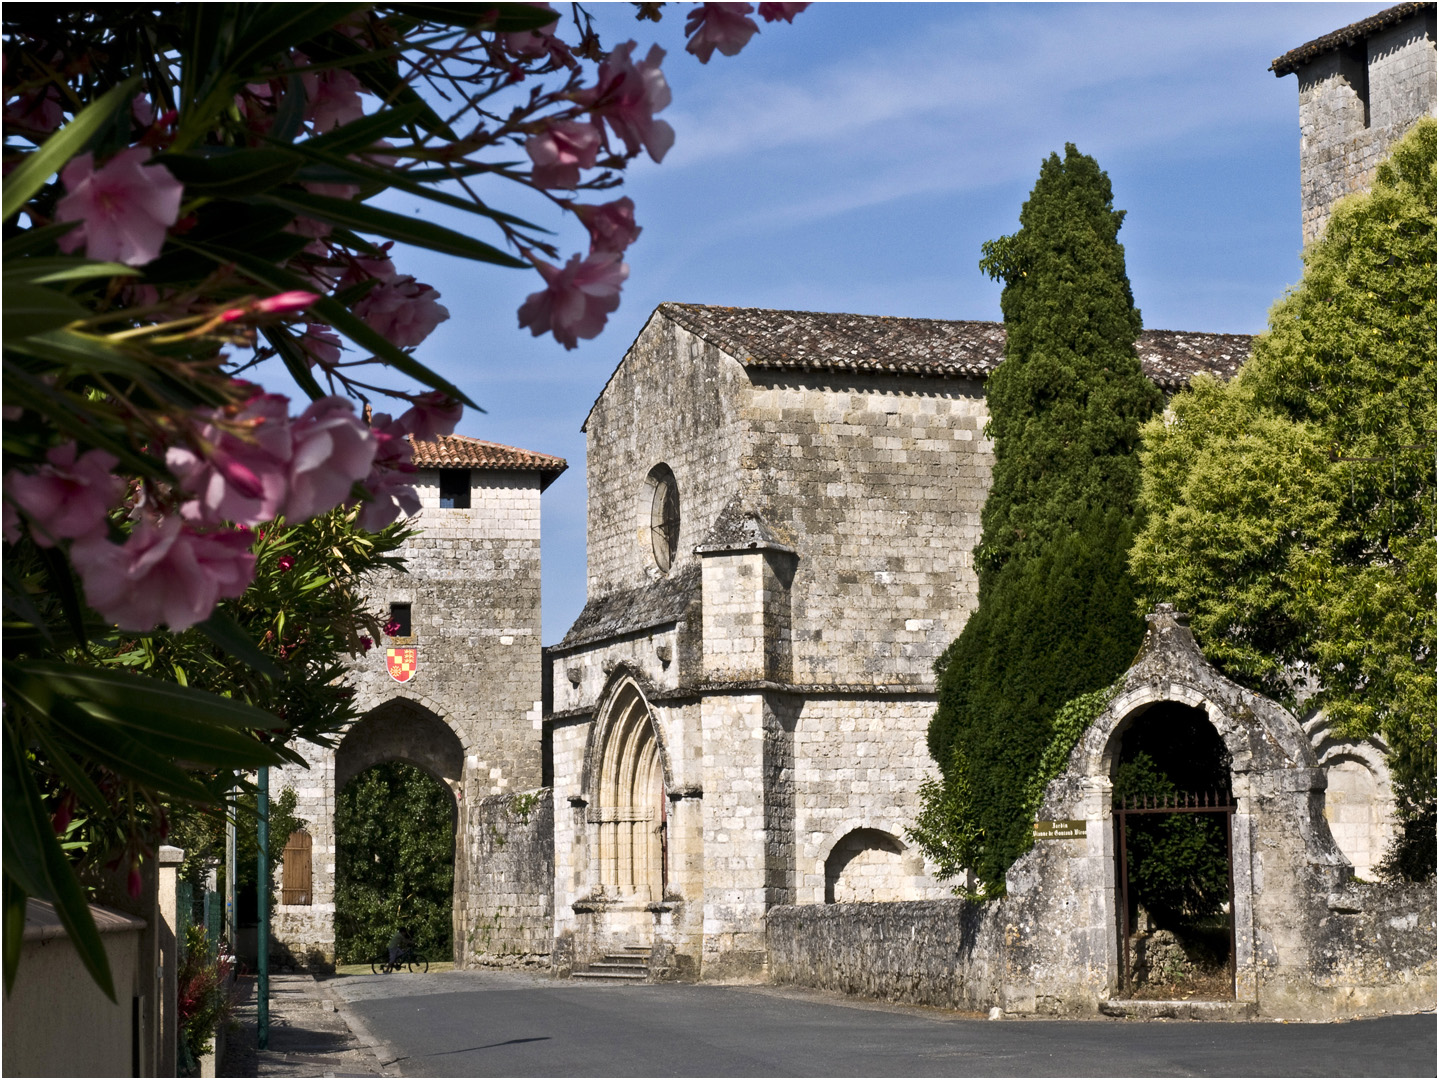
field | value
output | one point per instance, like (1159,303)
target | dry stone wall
(511,851)
(947,953)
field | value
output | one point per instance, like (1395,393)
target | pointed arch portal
(631,811)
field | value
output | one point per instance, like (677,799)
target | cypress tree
(1057,616)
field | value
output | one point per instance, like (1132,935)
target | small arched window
(295,873)
(664,517)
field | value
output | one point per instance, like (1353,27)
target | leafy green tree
(281,647)
(395,831)
(201,834)
(1292,511)
(1056,616)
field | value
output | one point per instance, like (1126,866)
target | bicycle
(407,958)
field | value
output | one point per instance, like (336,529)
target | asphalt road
(502,1024)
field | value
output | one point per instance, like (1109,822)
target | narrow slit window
(399,620)
(454,489)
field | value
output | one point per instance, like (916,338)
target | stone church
(782,508)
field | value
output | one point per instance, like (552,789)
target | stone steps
(1179,1010)
(630,964)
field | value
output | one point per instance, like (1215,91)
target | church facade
(782,512)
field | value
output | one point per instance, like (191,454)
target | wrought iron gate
(1184,802)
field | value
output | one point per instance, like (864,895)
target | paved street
(502,1024)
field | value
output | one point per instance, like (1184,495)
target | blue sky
(856,160)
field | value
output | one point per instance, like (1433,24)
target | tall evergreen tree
(1057,615)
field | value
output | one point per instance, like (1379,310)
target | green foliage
(204,1002)
(396,837)
(1070,722)
(949,825)
(1178,863)
(201,834)
(1056,616)
(1066,404)
(1292,512)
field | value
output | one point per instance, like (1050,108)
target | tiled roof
(1338,39)
(656,603)
(462,452)
(816,341)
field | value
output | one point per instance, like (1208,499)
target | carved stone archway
(627,780)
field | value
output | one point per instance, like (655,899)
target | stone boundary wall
(948,953)
(1376,949)
(1376,954)
(510,894)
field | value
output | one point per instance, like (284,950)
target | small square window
(400,619)
(455,489)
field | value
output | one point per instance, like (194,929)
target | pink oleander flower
(403,310)
(135,884)
(333,448)
(775,12)
(37,110)
(332,98)
(237,478)
(612,225)
(294,300)
(391,492)
(392,496)
(561,151)
(719,26)
(627,97)
(68,498)
(321,345)
(533,42)
(165,572)
(431,415)
(366,644)
(124,207)
(392,628)
(577,299)
(286,563)
(361,269)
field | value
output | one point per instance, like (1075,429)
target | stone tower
(468,713)
(1360,89)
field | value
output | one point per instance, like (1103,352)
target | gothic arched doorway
(630,817)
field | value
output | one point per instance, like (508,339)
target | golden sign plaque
(1060,830)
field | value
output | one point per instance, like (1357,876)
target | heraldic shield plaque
(402,662)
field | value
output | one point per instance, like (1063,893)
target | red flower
(286,562)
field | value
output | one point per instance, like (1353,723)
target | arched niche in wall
(870,866)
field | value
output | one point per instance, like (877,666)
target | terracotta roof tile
(1348,35)
(817,341)
(463,452)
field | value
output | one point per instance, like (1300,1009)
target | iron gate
(1184,802)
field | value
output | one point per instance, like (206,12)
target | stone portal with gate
(1308,941)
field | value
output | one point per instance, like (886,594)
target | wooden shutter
(295,882)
